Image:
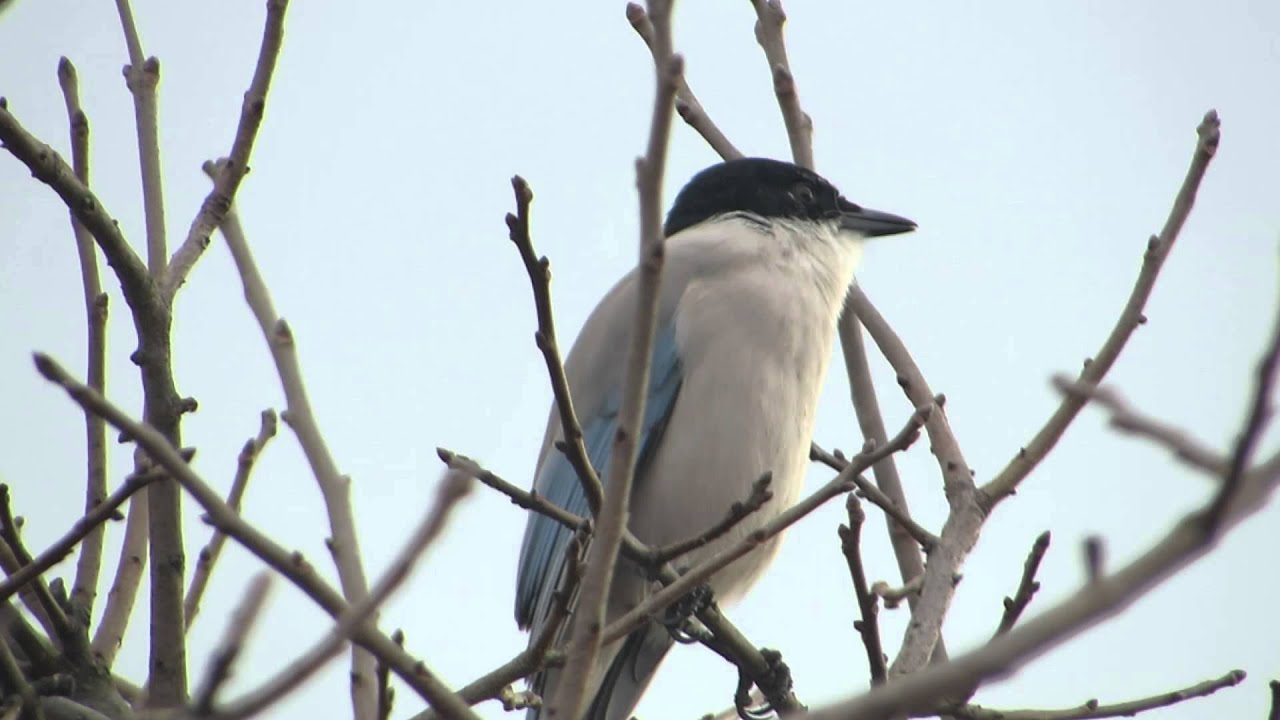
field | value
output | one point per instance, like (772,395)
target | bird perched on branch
(759,257)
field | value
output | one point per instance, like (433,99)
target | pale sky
(1037,146)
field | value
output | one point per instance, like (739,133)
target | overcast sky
(1037,146)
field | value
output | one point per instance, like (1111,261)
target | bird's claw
(680,619)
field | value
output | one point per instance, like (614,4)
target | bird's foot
(775,683)
(681,620)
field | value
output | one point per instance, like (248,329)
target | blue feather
(542,556)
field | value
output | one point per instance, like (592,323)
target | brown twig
(867,626)
(210,553)
(89,564)
(739,511)
(1091,709)
(235,166)
(109,635)
(290,565)
(241,624)
(539,270)
(334,487)
(50,611)
(687,104)
(518,496)
(1158,248)
(587,623)
(453,487)
(769,20)
(921,539)
(15,682)
(1027,586)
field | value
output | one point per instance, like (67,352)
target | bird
(759,257)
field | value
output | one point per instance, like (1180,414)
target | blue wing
(542,555)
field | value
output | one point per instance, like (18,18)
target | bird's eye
(803,194)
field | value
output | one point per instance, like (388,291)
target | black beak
(872,223)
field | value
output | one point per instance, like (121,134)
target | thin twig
(539,271)
(893,596)
(518,496)
(334,487)
(109,635)
(769,20)
(63,546)
(1260,413)
(1128,420)
(58,625)
(867,626)
(738,511)
(698,574)
(290,565)
(89,563)
(1027,586)
(921,539)
(1158,248)
(453,487)
(687,104)
(1274,685)
(1091,709)
(15,682)
(587,624)
(233,640)
(235,166)
(209,554)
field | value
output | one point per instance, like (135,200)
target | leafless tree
(54,665)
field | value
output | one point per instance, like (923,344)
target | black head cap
(773,189)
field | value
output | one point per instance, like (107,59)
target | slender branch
(1274,685)
(587,624)
(920,538)
(52,611)
(291,565)
(539,270)
(82,528)
(235,166)
(1126,419)
(1260,413)
(453,488)
(1158,248)
(109,636)
(893,596)
(868,609)
(698,574)
(1027,586)
(769,20)
(1091,709)
(10,563)
(210,553)
(89,564)
(49,168)
(141,77)
(334,487)
(518,496)
(242,622)
(15,682)
(687,104)
(739,511)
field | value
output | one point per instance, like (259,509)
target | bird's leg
(680,618)
(777,681)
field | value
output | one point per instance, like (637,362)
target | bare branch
(868,626)
(769,20)
(699,573)
(587,623)
(1158,248)
(109,635)
(1027,586)
(291,565)
(1260,412)
(16,682)
(82,528)
(1091,709)
(893,596)
(539,270)
(209,554)
(334,487)
(687,104)
(518,496)
(1128,420)
(235,166)
(85,589)
(921,539)
(51,611)
(453,487)
(242,622)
